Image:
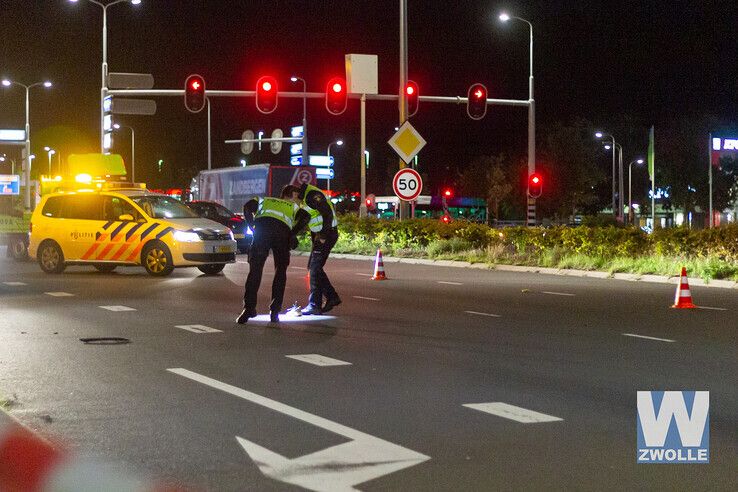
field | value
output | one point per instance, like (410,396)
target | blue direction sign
(9,184)
(296,160)
(324,173)
(296,149)
(321,161)
(296,131)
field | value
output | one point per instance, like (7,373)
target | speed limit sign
(407,184)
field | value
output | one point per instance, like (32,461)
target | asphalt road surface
(436,379)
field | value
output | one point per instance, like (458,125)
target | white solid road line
(484,314)
(558,293)
(198,328)
(363,274)
(512,412)
(59,294)
(318,360)
(117,309)
(298,268)
(340,467)
(449,283)
(15,284)
(366,298)
(712,308)
(648,338)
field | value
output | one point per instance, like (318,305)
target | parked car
(218,213)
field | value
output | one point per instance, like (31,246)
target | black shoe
(331,303)
(274,317)
(311,309)
(244,316)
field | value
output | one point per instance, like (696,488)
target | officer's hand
(293,242)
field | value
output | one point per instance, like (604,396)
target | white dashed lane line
(566,294)
(449,283)
(198,328)
(363,274)
(712,308)
(648,338)
(366,298)
(59,294)
(117,309)
(15,284)
(298,268)
(518,414)
(483,314)
(318,360)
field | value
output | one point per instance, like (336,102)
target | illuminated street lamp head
(6,82)
(293,79)
(47,149)
(504,17)
(608,147)
(339,142)
(52,151)
(640,161)
(135,2)
(116,126)
(47,84)
(599,134)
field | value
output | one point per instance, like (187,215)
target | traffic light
(266,94)
(194,93)
(446,219)
(476,107)
(448,193)
(335,96)
(370,203)
(535,185)
(412,94)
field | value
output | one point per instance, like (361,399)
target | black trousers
(320,285)
(269,234)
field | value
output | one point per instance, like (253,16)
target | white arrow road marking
(484,314)
(366,298)
(648,338)
(59,294)
(512,412)
(449,283)
(558,293)
(117,308)
(15,284)
(198,328)
(318,360)
(338,468)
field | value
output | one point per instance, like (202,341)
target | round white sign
(407,184)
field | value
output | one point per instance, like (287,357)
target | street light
(27,170)
(50,152)
(601,135)
(631,216)
(339,143)
(305,153)
(117,126)
(104,85)
(505,17)
(5,157)
(243,162)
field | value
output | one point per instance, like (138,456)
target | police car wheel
(50,257)
(156,259)
(212,269)
(105,268)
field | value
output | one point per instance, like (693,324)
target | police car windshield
(163,207)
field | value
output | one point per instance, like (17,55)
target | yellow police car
(126,227)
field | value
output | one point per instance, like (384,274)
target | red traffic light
(535,185)
(447,193)
(476,106)
(336,98)
(267,94)
(412,94)
(194,93)
(446,218)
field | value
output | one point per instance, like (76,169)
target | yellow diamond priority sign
(407,142)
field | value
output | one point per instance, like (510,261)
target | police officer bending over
(324,232)
(275,222)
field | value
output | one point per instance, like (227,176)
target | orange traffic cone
(683,299)
(379,267)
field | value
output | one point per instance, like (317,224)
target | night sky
(650,61)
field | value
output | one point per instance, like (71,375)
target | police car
(106,229)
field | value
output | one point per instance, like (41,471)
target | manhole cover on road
(105,341)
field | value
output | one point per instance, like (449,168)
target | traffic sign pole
(362,205)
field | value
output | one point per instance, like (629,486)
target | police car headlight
(249,231)
(230,234)
(186,236)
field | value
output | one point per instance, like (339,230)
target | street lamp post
(305,154)
(631,215)
(615,186)
(50,152)
(531,116)
(339,143)
(133,149)
(27,168)
(104,70)
(5,157)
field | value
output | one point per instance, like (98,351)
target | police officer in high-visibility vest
(324,232)
(275,222)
